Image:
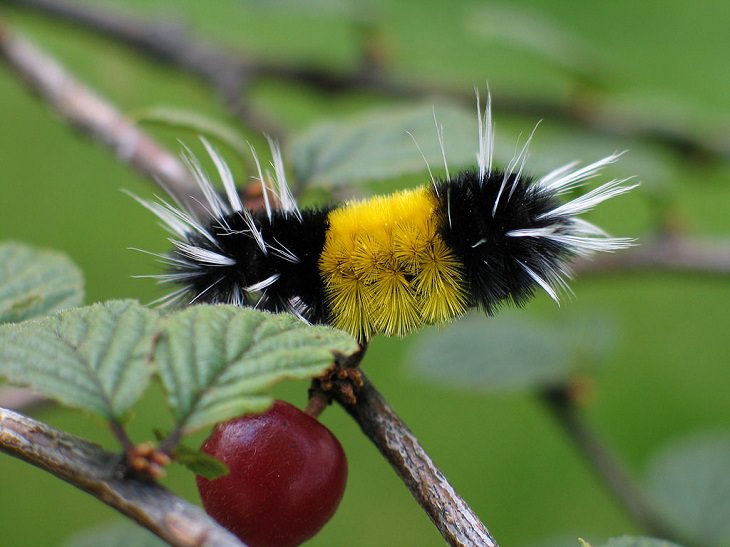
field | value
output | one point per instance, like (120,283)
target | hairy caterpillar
(388,264)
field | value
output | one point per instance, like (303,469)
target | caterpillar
(392,263)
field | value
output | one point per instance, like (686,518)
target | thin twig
(121,435)
(166,40)
(169,42)
(453,517)
(84,109)
(90,468)
(560,404)
(667,253)
(231,74)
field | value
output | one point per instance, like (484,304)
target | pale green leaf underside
(510,352)
(216,361)
(689,481)
(115,534)
(35,282)
(637,541)
(377,146)
(95,358)
(496,354)
(193,121)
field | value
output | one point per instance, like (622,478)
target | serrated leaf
(36,282)
(217,362)
(115,534)
(637,541)
(506,353)
(200,463)
(95,358)
(689,481)
(377,146)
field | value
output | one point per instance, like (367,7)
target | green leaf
(507,353)
(215,362)
(36,282)
(377,146)
(95,358)
(637,541)
(530,31)
(200,463)
(196,123)
(115,534)
(689,481)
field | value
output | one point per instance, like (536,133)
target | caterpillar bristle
(388,264)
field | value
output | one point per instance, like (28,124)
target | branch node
(342,381)
(146,462)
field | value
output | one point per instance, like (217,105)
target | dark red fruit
(287,476)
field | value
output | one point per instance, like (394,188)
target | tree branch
(170,43)
(81,107)
(559,402)
(230,75)
(89,467)
(164,40)
(453,517)
(668,253)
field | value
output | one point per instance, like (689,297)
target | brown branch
(560,404)
(169,42)
(232,74)
(453,517)
(594,115)
(95,117)
(166,40)
(90,468)
(667,253)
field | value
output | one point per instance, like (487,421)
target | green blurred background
(666,372)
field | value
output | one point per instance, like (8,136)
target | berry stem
(318,401)
(121,435)
(453,517)
(169,443)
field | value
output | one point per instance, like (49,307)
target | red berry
(287,476)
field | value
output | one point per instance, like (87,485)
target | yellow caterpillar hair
(386,267)
(390,264)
